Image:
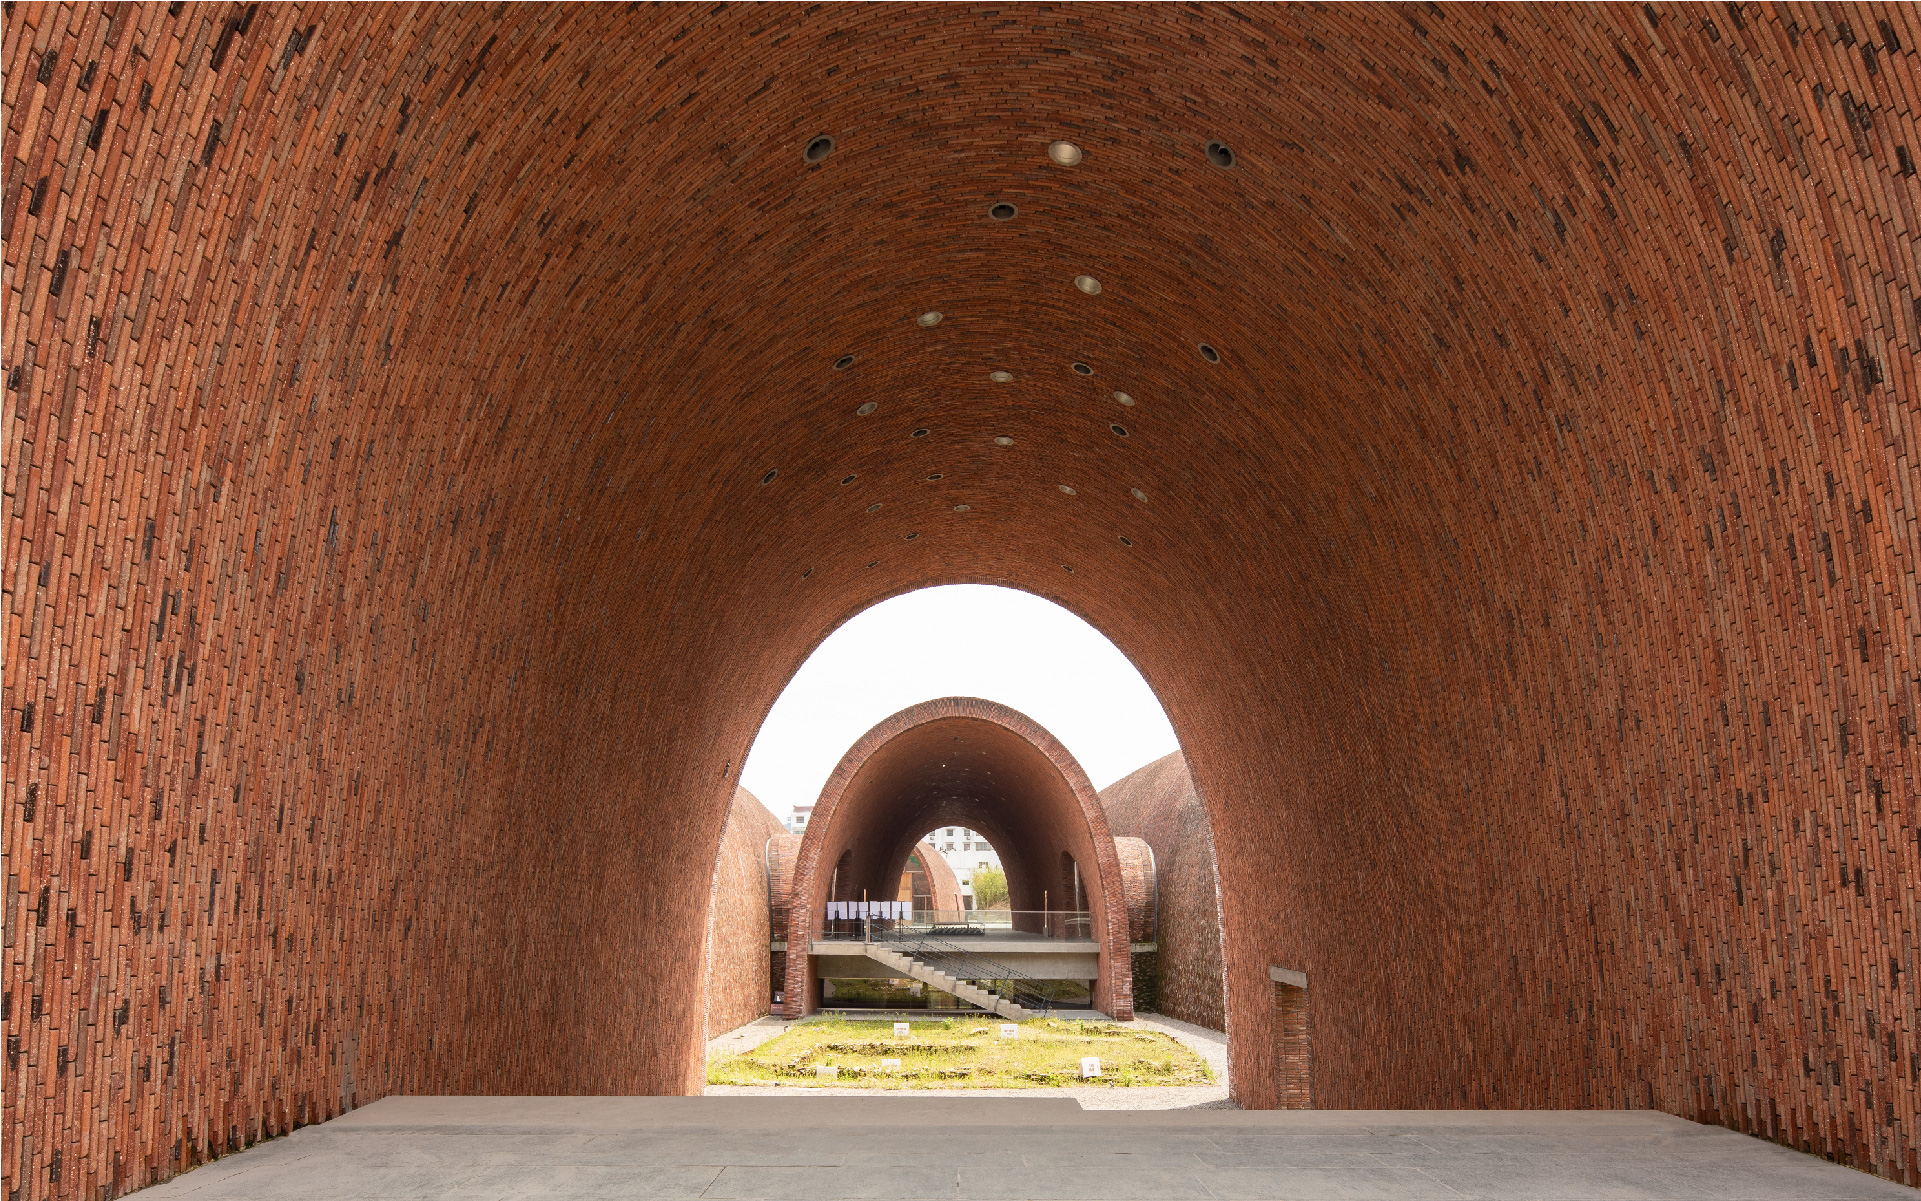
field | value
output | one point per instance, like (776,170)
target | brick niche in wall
(425,462)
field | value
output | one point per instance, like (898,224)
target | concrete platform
(995,1149)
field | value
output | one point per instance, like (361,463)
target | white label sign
(1090,1066)
(826,1072)
(890,1065)
(901,1030)
(1009,1030)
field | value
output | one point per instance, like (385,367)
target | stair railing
(1026,991)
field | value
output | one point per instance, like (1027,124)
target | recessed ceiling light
(961,508)
(936,475)
(866,410)
(843,362)
(1088,284)
(1001,377)
(1003,440)
(1065,488)
(1138,495)
(1003,212)
(921,433)
(1124,398)
(769,477)
(818,149)
(1219,154)
(927,319)
(1083,369)
(1210,354)
(1118,428)
(875,507)
(1065,154)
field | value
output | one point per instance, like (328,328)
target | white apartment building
(966,851)
(797,820)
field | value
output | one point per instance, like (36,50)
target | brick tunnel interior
(963,761)
(434,435)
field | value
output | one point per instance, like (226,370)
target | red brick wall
(1158,804)
(739,988)
(943,884)
(1531,581)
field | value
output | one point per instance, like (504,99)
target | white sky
(961,640)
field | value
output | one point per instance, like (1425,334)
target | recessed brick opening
(1293,1059)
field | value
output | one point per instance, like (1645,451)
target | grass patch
(963,1053)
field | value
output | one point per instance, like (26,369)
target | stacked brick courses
(1157,804)
(739,918)
(423,470)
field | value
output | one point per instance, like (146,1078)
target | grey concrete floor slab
(801,1148)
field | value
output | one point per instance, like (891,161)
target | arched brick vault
(968,762)
(389,392)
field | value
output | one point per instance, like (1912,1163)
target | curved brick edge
(1112,910)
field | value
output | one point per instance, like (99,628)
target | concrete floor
(1001,1148)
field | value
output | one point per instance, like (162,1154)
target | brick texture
(1158,805)
(425,463)
(739,918)
(962,761)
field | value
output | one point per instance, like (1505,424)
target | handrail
(963,964)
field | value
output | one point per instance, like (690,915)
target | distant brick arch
(961,761)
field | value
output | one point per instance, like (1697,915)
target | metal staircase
(948,967)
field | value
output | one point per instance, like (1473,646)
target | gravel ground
(1210,1045)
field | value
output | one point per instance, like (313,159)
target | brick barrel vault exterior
(1158,805)
(423,468)
(1030,828)
(739,918)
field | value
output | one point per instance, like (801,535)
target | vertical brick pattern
(424,465)
(739,918)
(1293,1054)
(1158,805)
(1137,885)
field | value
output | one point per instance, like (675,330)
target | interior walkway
(861,1147)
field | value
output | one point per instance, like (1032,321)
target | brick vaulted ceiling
(425,463)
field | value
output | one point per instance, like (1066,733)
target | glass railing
(842,922)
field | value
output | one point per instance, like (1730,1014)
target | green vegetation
(990,887)
(963,1053)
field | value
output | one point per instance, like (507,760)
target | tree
(990,888)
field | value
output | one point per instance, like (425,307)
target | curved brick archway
(426,462)
(972,762)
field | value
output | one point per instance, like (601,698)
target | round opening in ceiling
(1126,541)
(874,508)
(843,362)
(1083,369)
(1124,398)
(929,319)
(1088,284)
(1138,495)
(866,410)
(911,537)
(1064,154)
(1219,154)
(920,433)
(808,572)
(1001,377)
(936,475)
(1067,489)
(850,479)
(1003,212)
(961,508)
(769,477)
(1003,440)
(1210,354)
(818,149)
(1119,429)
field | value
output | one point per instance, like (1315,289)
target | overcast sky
(962,640)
